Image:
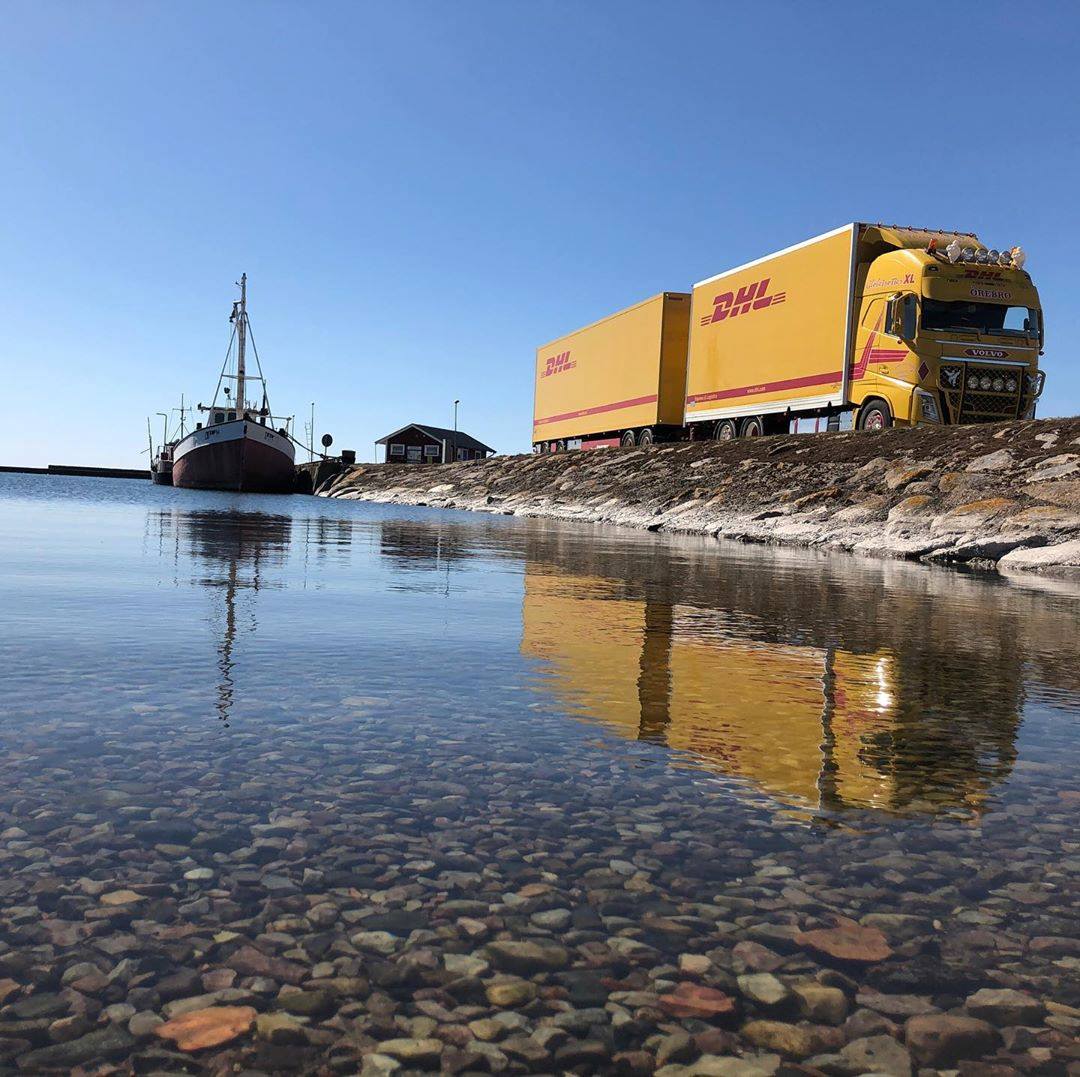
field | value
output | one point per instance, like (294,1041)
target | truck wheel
(645,438)
(628,440)
(752,427)
(875,416)
(725,430)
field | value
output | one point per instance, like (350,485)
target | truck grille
(981,392)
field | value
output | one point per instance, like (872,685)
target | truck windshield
(980,317)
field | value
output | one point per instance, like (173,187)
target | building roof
(440,433)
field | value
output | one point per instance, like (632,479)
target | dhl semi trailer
(866,326)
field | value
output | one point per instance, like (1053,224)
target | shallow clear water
(384,709)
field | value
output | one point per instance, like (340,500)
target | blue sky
(421,193)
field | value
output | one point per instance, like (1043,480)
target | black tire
(725,430)
(646,438)
(875,415)
(753,426)
(628,440)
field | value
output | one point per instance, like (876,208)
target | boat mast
(241,334)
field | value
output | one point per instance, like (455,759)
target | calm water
(377,710)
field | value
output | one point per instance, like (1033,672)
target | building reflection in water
(233,550)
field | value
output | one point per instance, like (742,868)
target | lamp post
(456,402)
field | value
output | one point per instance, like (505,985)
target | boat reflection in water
(812,695)
(234,549)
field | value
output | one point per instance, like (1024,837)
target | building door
(413,452)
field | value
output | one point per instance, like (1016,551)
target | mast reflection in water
(234,548)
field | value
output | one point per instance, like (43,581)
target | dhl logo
(558,364)
(749,297)
(983,274)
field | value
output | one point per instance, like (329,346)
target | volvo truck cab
(948,331)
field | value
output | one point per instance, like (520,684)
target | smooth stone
(552,919)
(465,964)
(308,1003)
(211,1027)
(825,1005)
(121,897)
(764,988)
(847,942)
(792,1041)
(120,1011)
(377,1065)
(507,993)
(694,964)
(876,1054)
(487,1029)
(417,1051)
(527,957)
(143,1024)
(940,1040)
(695,1000)
(1005,1006)
(757,957)
(380,942)
(111,1042)
(279,1028)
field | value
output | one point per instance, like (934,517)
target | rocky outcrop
(1004,495)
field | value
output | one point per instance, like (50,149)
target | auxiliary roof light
(1019,257)
(992,256)
(953,252)
(1005,258)
(968,254)
(982,257)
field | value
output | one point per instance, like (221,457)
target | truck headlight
(927,406)
(999,384)
(1010,384)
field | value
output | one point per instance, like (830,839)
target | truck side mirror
(892,316)
(901,316)
(909,314)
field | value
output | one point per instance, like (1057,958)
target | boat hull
(241,455)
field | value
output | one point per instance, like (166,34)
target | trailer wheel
(875,415)
(752,427)
(628,440)
(725,431)
(645,438)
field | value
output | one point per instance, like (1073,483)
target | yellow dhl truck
(866,326)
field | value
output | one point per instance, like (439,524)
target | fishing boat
(161,465)
(239,447)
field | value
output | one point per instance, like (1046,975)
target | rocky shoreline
(1002,496)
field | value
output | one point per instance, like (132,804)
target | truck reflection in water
(793,686)
(234,548)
